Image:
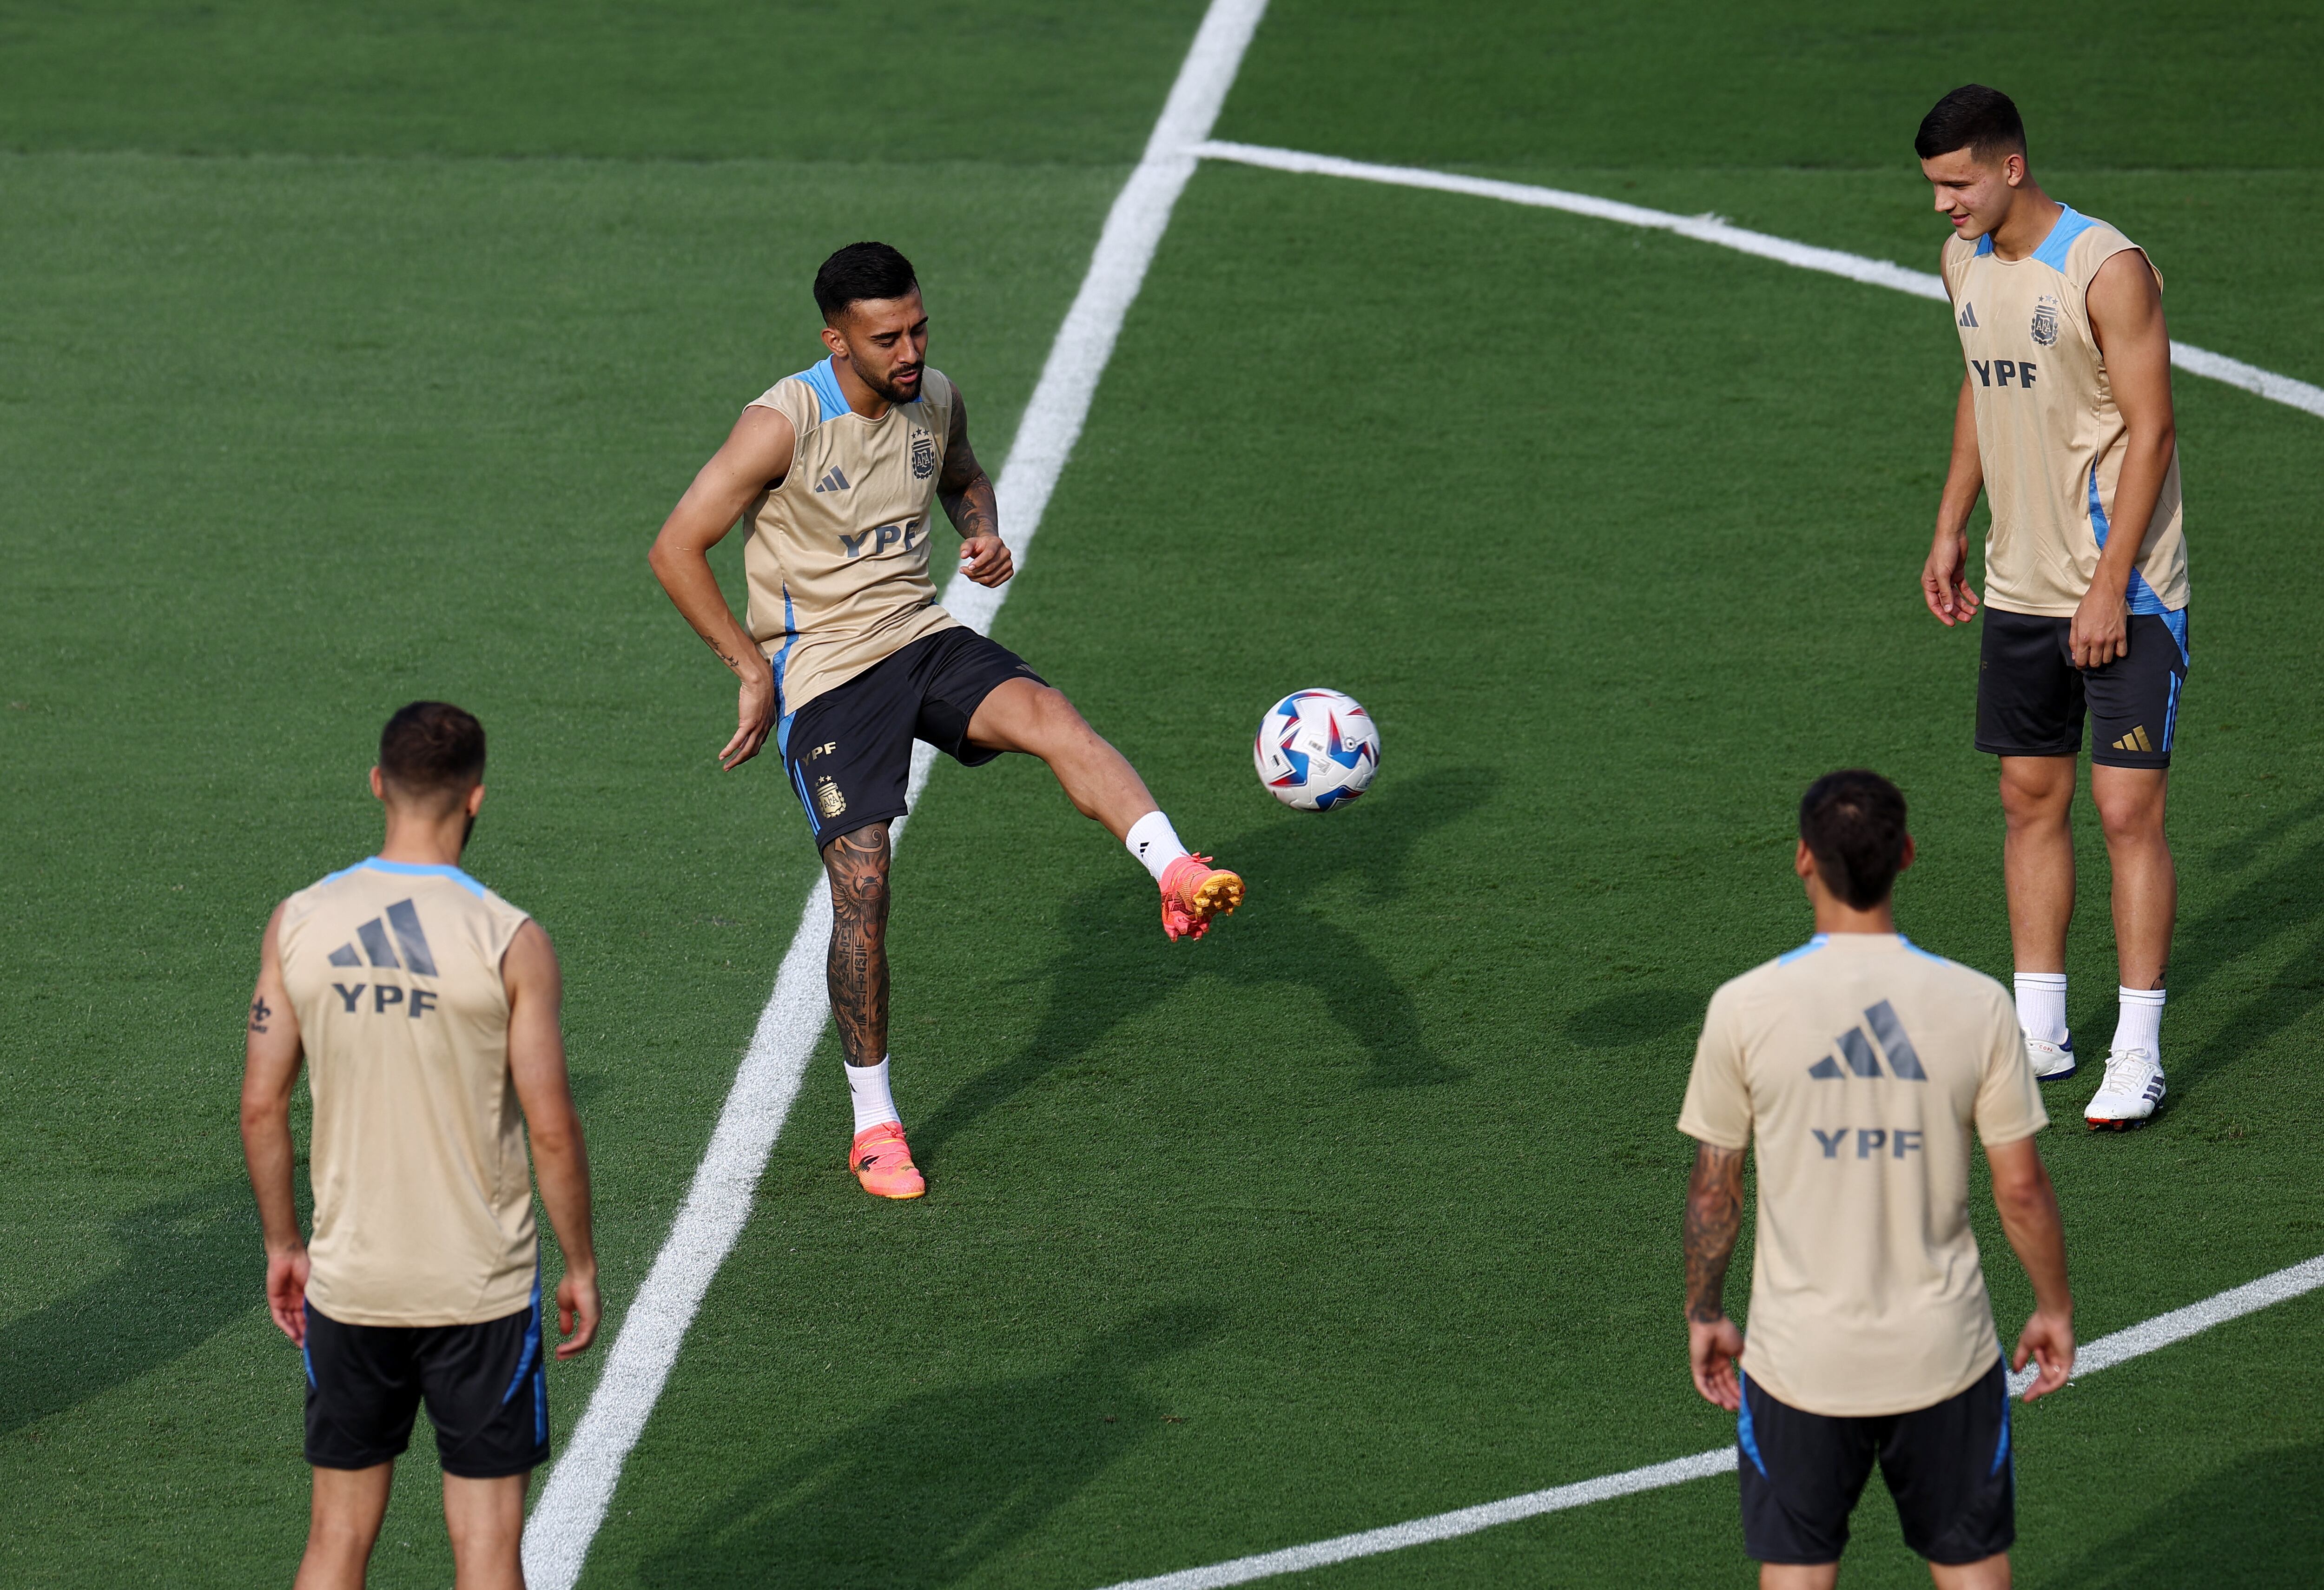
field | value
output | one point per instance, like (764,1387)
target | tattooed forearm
(1714,1218)
(857,966)
(973,508)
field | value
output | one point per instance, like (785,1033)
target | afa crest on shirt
(2045,322)
(924,455)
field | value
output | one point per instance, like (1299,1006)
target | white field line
(2282,389)
(580,1488)
(2105,1353)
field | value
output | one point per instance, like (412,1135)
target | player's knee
(2129,816)
(2037,794)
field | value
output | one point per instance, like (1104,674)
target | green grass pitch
(351,355)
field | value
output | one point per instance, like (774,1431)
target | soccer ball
(1317,749)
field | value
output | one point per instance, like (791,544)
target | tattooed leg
(857,966)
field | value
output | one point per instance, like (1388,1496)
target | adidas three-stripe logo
(1969,316)
(833,482)
(2135,740)
(380,952)
(1904,1061)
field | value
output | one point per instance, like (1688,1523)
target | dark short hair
(1853,824)
(432,748)
(859,271)
(1984,121)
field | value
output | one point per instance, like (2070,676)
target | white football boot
(2132,1088)
(2051,1062)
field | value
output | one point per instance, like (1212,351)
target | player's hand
(2048,1339)
(1945,581)
(286,1291)
(985,559)
(2100,631)
(578,1305)
(1715,1347)
(754,720)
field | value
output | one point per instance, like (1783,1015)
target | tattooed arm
(1715,1219)
(756,455)
(857,965)
(271,1052)
(966,492)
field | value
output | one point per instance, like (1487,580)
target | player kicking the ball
(2064,422)
(848,659)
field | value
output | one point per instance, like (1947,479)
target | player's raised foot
(2127,1097)
(2052,1062)
(1193,893)
(883,1164)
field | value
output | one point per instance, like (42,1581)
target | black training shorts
(2030,698)
(486,1387)
(849,751)
(1947,1466)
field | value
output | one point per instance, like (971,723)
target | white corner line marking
(580,1488)
(2267,383)
(2105,1353)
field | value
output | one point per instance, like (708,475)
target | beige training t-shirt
(2048,433)
(1855,1067)
(423,1193)
(838,555)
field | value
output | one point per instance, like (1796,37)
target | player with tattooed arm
(846,657)
(1871,1335)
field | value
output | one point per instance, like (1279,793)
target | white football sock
(867,1087)
(2042,1005)
(2140,1025)
(1155,843)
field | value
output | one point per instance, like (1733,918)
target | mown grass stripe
(2105,1353)
(1706,228)
(580,1488)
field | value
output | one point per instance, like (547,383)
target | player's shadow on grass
(2254,1523)
(2282,902)
(1113,963)
(932,1489)
(187,1266)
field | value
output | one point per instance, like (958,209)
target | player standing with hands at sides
(2065,423)
(424,1008)
(1871,1334)
(847,658)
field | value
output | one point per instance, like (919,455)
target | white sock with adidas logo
(2042,1005)
(2140,1025)
(1154,842)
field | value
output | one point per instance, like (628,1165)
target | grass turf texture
(1362,1209)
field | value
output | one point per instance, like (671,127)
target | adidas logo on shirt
(1904,1061)
(373,936)
(833,482)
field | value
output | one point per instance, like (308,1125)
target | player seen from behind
(425,1009)
(2065,424)
(1871,1335)
(847,658)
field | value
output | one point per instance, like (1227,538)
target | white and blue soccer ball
(1317,749)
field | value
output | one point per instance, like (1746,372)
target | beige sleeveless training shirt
(1855,1068)
(838,554)
(2048,432)
(423,1193)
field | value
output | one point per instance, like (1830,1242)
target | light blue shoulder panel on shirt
(824,382)
(2072,224)
(1812,944)
(420,869)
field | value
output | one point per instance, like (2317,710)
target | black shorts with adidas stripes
(486,1387)
(849,751)
(2030,699)
(1948,1468)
